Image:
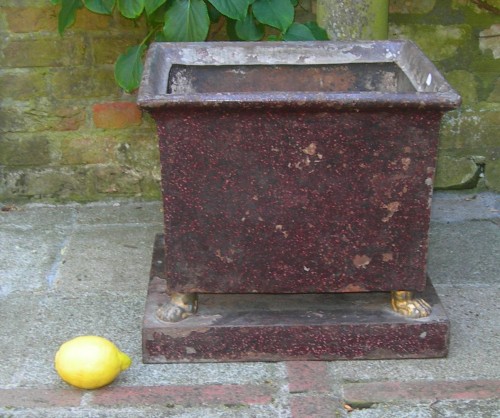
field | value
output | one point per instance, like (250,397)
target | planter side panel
(280,200)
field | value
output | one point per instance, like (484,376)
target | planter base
(265,327)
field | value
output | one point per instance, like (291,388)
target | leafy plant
(191,20)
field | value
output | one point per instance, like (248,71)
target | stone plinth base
(265,327)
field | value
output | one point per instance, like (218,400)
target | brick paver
(40,398)
(184,395)
(422,390)
(308,376)
(314,407)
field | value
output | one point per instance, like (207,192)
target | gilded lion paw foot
(181,306)
(404,303)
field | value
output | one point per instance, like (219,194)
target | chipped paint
(352,288)
(223,258)
(310,149)
(361,261)
(392,207)
(387,257)
(406,163)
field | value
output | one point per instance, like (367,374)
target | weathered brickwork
(67,132)
(462,37)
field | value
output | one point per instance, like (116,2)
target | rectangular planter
(295,167)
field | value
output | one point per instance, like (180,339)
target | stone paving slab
(83,269)
(93,261)
(128,213)
(465,253)
(26,262)
(465,206)
(171,411)
(474,342)
(18,317)
(438,409)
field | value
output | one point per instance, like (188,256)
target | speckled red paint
(286,200)
(294,168)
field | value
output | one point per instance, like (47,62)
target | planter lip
(335,101)
(431,89)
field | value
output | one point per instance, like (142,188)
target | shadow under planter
(294,173)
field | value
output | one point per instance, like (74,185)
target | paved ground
(83,269)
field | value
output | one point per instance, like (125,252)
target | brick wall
(69,133)
(463,40)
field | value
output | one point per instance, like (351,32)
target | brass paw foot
(181,306)
(404,303)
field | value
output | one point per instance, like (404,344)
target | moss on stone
(40,116)
(472,127)
(411,7)
(19,84)
(456,173)
(27,151)
(492,171)
(26,52)
(438,42)
(81,82)
(465,83)
(494,96)
(87,149)
(353,19)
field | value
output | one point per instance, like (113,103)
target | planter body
(295,167)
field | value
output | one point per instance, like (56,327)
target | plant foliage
(191,20)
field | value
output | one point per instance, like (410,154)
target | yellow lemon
(90,362)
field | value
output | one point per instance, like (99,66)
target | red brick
(183,395)
(35,398)
(421,391)
(308,376)
(314,407)
(116,115)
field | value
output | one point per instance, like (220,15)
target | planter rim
(431,89)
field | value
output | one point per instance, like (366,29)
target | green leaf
(248,30)
(274,38)
(318,32)
(152,5)
(276,13)
(160,37)
(54,2)
(231,30)
(156,18)
(186,20)
(131,8)
(235,9)
(104,7)
(213,13)
(128,68)
(298,32)
(67,14)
